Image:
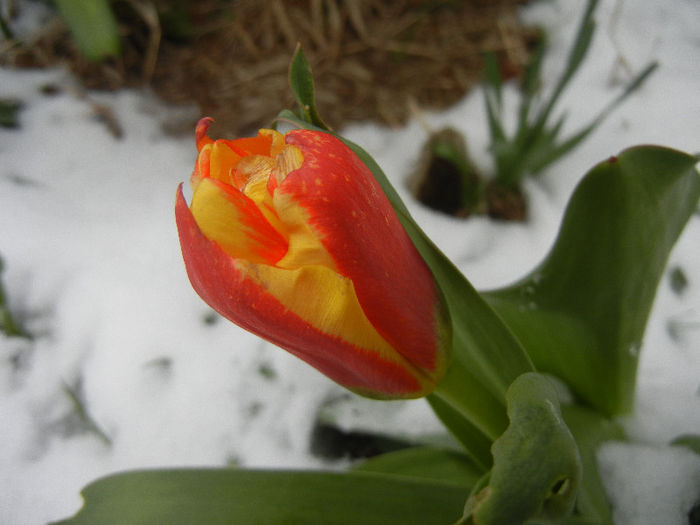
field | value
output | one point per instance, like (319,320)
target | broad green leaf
(228,496)
(93,27)
(581,314)
(427,462)
(537,468)
(302,83)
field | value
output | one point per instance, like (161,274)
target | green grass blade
(496,130)
(93,26)
(631,88)
(492,76)
(530,84)
(554,153)
(577,55)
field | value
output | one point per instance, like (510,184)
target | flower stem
(463,391)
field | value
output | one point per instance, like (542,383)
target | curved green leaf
(432,463)
(226,496)
(537,468)
(581,314)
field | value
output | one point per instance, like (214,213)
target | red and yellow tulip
(291,237)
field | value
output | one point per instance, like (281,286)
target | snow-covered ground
(94,269)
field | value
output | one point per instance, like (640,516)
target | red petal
(218,279)
(201,137)
(358,226)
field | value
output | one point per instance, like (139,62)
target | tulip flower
(291,237)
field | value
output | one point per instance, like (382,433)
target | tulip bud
(291,237)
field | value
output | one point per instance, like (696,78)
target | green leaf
(433,463)
(689,441)
(476,444)
(530,84)
(301,81)
(636,83)
(492,77)
(531,76)
(9,110)
(8,325)
(93,27)
(555,151)
(227,496)
(537,468)
(581,313)
(493,98)
(591,430)
(577,54)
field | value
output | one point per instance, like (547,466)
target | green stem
(463,391)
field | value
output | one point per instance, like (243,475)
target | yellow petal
(229,218)
(327,301)
(277,140)
(221,161)
(305,248)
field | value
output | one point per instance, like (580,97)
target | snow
(93,264)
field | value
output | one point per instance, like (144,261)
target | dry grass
(372,59)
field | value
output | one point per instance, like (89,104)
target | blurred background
(372,59)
